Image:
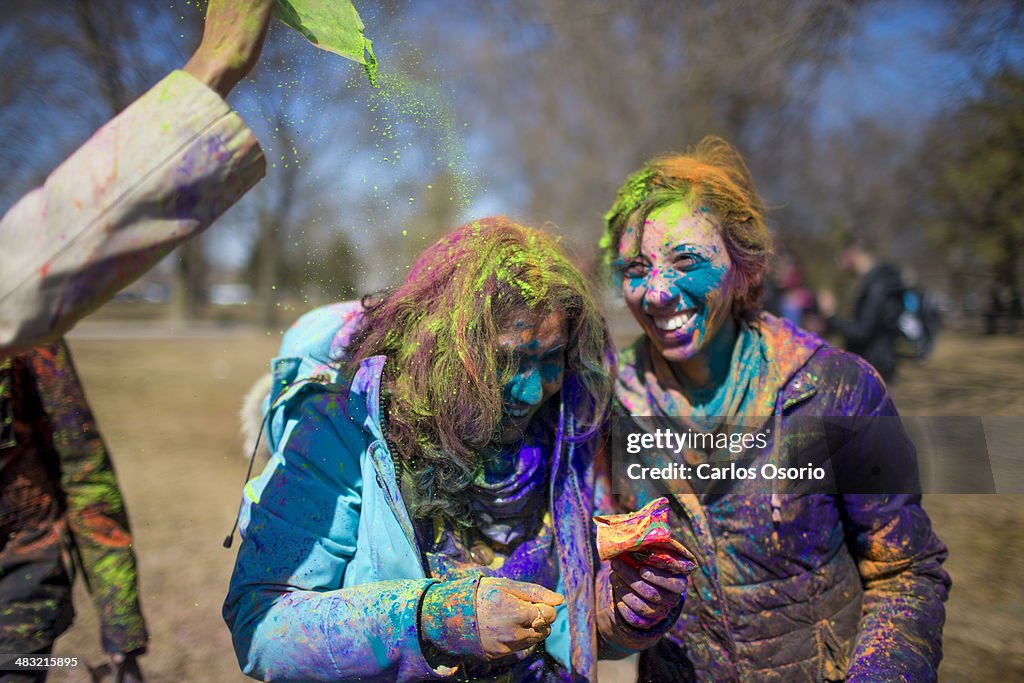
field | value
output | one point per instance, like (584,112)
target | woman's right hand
(513,615)
(644,596)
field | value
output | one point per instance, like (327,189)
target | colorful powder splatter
(401,104)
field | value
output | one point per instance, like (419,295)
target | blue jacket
(328,577)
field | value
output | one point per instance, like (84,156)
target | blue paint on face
(538,347)
(678,283)
(525,388)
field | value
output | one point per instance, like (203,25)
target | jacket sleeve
(95,512)
(900,561)
(157,174)
(289,616)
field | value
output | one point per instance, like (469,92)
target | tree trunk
(269,265)
(191,270)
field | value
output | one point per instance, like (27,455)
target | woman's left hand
(645,596)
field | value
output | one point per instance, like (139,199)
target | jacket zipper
(424,564)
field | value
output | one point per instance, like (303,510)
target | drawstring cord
(320,379)
(230,538)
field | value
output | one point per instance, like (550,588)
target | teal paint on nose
(525,388)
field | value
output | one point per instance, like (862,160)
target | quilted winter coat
(814,587)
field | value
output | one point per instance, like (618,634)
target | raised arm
(157,174)
(232,41)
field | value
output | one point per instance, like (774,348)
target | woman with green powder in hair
(427,511)
(840,585)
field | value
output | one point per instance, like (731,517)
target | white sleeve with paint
(160,172)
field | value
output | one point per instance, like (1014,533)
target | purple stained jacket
(809,587)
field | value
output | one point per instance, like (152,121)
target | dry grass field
(168,409)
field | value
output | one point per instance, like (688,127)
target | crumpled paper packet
(332,25)
(642,537)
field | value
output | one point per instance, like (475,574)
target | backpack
(917,324)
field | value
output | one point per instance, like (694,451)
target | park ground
(169,410)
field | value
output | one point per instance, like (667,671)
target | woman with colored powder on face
(845,586)
(430,497)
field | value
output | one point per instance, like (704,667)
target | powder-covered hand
(232,41)
(646,595)
(513,615)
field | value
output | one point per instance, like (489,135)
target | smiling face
(679,284)
(537,346)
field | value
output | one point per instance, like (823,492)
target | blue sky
(894,71)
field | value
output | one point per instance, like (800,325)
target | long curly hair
(712,172)
(445,368)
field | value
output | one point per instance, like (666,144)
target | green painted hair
(714,173)
(445,366)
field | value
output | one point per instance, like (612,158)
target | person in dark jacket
(873,330)
(837,583)
(60,510)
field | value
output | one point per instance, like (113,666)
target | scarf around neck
(767,353)
(504,499)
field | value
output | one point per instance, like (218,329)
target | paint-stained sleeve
(900,562)
(157,174)
(289,616)
(95,514)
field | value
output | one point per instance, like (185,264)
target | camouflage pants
(35,591)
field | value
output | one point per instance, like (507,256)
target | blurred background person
(1004,303)
(788,296)
(61,512)
(873,329)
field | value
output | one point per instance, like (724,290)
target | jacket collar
(801,386)
(366,381)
